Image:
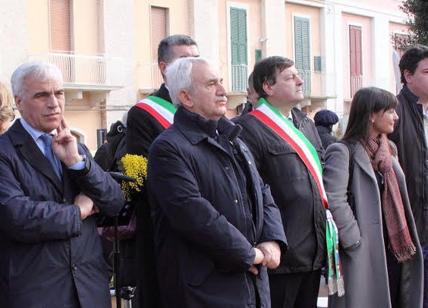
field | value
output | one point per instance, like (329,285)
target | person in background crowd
(411,138)
(146,120)
(252,97)
(380,251)
(50,189)
(6,111)
(295,282)
(324,121)
(216,225)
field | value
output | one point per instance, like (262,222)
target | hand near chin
(64,145)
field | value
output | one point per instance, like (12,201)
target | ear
(162,67)
(185,99)
(408,76)
(18,102)
(267,87)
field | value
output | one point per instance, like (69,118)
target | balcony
(239,77)
(87,72)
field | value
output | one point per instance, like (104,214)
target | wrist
(74,160)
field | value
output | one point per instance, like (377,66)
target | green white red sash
(162,110)
(284,128)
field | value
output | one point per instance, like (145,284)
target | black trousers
(297,290)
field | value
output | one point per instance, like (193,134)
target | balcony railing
(306,75)
(239,77)
(356,84)
(82,70)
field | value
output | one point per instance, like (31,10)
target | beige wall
(38,27)
(366,38)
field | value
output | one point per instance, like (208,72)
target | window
(60,25)
(302,51)
(355,58)
(159,26)
(238,42)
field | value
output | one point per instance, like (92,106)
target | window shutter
(238,42)
(302,51)
(60,25)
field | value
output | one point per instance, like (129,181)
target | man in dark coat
(324,121)
(216,225)
(143,128)
(295,282)
(411,138)
(51,253)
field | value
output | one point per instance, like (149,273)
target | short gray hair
(37,69)
(179,76)
(165,46)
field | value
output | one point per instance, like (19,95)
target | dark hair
(164,48)
(365,102)
(266,70)
(251,81)
(411,58)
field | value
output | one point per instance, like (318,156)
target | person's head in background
(252,95)
(326,118)
(173,47)
(6,110)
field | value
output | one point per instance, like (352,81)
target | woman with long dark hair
(379,247)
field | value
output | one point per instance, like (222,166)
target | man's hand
(64,145)
(258,259)
(86,206)
(272,254)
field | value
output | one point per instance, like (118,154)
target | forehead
(288,71)
(423,64)
(182,51)
(34,83)
(204,72)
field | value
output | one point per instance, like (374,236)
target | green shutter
(302,49)
(238,40)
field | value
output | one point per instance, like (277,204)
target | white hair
(179,76)
(38,69)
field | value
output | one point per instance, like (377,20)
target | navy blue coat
(49,257)
(204,234)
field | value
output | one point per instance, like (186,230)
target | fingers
(253,269)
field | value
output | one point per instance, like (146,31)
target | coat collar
(196,128)
(163,92)
(25,144)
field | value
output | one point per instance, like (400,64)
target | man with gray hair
(216,226)
(146,120)
(50,188)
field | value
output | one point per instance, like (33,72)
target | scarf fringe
(405,253)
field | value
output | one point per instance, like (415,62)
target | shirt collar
(34,133)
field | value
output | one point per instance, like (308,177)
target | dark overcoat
(142,130)
(365,267)
(49,257)
(293,189)
(204,233)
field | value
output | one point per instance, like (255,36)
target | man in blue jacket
(50,188)
(216,225)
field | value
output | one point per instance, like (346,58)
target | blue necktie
(47,142)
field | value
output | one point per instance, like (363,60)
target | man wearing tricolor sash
(287,151)
(146,120)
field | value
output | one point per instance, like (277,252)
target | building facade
(106,49)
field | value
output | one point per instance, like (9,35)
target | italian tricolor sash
(162,110)
(285,129)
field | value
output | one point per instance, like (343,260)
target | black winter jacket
(293,190)
(204,234)
(409,136)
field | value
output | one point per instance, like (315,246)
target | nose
(299,80)
(53,101)
(221,91)
(396,117)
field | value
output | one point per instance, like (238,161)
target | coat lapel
(362,159)
(26,146)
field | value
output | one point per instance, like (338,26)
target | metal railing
(239,77)
(89,70)
(306,75)
(356,84)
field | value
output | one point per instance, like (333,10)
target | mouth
(51,115)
